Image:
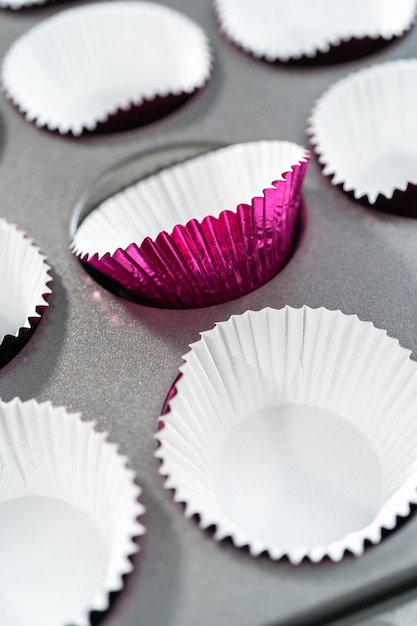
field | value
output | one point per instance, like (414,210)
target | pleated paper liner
(363,132)
(68,517)
(321,31)
(24,289)
(294,432)
(106,66)
(201,232)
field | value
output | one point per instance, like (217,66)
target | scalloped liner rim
(86,257)
(353,542)
(102,118)
(325,47)
(34,316)
(335,177)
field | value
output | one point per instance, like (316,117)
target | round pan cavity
(68,516)
(201,232)
(89,67)
(294,432)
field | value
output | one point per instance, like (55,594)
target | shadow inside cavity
(40,354)
(135,117)
(138,116)
(12,345)
(344,52)
(110,285)
(402,203)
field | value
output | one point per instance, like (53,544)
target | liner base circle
(280,468)
(52,584)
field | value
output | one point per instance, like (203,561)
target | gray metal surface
(114,361)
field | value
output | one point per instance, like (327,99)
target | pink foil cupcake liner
(201,232)
(24,291)
(276,30)
(372,157)
(102,67)
(278,433)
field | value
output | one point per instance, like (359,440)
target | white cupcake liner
(201,232)
(15,5)
(68,516)
(362,130)
(24,287)
(294,432)
(89,63)
(278,30)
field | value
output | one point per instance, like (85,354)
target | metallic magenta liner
(218,259)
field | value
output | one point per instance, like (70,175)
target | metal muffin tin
(115,360)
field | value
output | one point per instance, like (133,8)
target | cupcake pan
(281,31)
(82,81)
(113,359)
(279,434)
(201,232)
(68,517)
(374,156)
(24,290)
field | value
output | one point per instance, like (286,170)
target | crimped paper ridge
(49,452)
(381,100)
(267,358)
(25,278)
(208,259)
(73,54)
(283,40)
